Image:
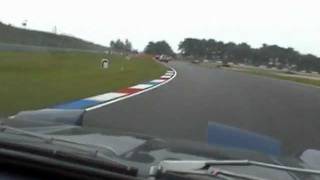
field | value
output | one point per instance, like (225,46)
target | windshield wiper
(206,167)
(195,168)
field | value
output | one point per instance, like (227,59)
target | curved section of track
(283,110)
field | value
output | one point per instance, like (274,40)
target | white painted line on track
(135,94)
(141,86)
(168,74)
(157,81)
(107,96)
(166,77)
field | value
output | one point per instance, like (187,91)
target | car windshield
(137,83)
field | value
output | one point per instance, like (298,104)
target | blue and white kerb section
(101,100)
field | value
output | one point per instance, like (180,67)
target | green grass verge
(267,73)
(273,75)
(37,80)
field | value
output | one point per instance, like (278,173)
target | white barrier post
(105,63)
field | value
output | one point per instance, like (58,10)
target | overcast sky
(284,22)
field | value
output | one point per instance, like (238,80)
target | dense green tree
(309,63)
(128,45)
(160,47)
(119,45)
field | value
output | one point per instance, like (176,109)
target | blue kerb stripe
(80,104)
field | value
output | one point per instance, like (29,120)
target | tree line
(211,49)
(268,55)
(121,46)
(160,47)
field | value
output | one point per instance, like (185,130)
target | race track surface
(182,108)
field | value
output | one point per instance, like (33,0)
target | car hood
(142,151)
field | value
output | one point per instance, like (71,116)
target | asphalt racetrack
(182,108)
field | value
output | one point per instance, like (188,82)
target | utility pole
(55,30)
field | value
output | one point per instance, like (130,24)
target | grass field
(309,78)
(283,77)
(37,80)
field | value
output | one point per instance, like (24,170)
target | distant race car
(195,61)
(157,57)
(163,58)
